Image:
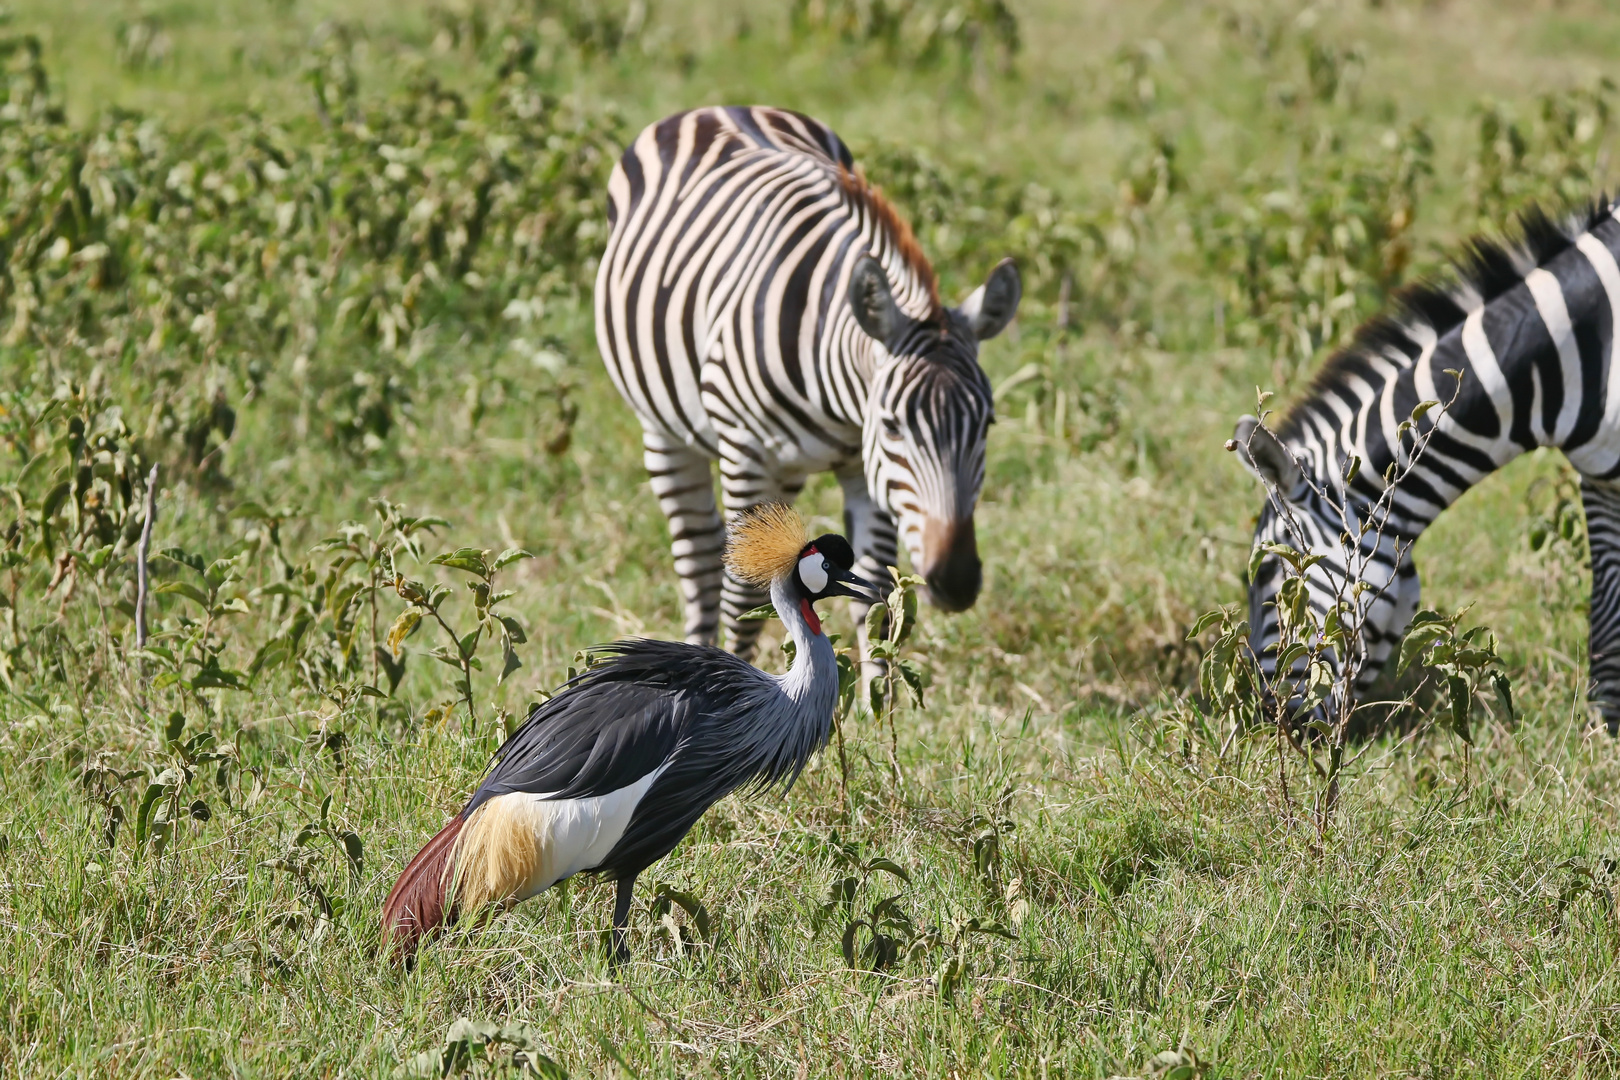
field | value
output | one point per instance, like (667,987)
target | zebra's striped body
(1531,328)
(724,313)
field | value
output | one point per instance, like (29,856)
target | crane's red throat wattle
(809,614)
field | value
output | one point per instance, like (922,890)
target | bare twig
(141,551)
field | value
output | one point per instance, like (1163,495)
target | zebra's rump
(720,298)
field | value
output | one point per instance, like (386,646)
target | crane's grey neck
(812,680)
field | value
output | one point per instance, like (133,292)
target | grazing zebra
(761,305)
(1530,327)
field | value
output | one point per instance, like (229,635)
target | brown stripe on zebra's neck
(898,230)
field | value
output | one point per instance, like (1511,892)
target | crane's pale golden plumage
(764,543)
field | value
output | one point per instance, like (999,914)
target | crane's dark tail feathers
(420,902)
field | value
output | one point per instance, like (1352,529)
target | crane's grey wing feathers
(615,723)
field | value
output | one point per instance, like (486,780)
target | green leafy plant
(1312,699)
(695,930)
(889,625)
(301,859)
(470,1042)
(877,933)
(427,602)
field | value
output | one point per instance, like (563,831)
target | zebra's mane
(871,198)
(1484,269)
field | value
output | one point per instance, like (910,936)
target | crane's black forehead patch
(836,548)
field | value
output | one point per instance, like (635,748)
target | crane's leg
(872,534)
(621,920)
(1601,500)
(746,480)
(683,481)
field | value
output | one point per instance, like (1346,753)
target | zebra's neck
(1529,328)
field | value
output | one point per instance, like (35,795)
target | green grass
(1458,921)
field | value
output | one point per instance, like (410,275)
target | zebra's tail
(420,901)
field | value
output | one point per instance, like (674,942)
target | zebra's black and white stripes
(1530,327)
(760,305)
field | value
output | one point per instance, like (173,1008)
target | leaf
(185,589)
(877,693)
(950,975)
(156,652)
(913,677)
(513,629)
(1204,622)
(848,943)
(338,600)
(1461,699)
(691,905)
(1504,690)
(355,851)
(393,668)
(143,816)
(270,654)
(1420,408)
(974,926)
(1419,639)
(174,727)
(218,678)
(403,627)
(889,866)
(902,613)
(185,558)
(509,660)
(466,558)
(875,615)
(759,614)
(510,556)
(1256,557)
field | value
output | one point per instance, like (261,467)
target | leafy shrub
(1307,255)
(918,32)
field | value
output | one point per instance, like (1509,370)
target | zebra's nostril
(950,564)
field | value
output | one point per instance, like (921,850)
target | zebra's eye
(891,427)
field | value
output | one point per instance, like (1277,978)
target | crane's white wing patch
(520,844)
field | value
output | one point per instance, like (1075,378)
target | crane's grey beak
(844,583)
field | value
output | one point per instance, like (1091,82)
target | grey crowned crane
(608,776)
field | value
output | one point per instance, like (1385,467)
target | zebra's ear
(1264,455)
(991,306)
(873,302)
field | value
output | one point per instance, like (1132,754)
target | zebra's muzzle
(950,563)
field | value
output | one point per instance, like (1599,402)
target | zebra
(760,304)
(1518,350)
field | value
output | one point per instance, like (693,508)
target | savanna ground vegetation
(311,482)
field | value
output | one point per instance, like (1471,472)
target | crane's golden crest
(764,543)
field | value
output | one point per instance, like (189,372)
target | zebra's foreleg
(872,534)
(683,481)
(746,480)
(1601,500)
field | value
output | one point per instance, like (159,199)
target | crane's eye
(813,572)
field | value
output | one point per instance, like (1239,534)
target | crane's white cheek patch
(813,572)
